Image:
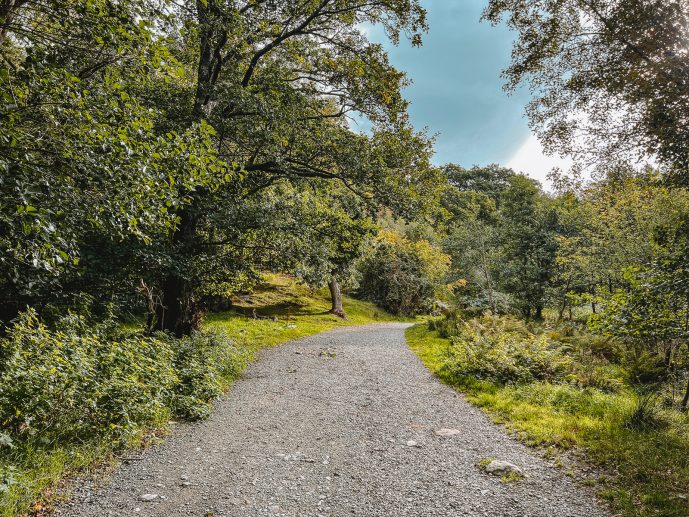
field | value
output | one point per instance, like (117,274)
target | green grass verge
(651,467)
(37,469)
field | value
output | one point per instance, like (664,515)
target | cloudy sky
(457,91)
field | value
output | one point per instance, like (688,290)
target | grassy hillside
(299,310)
(646,470)
(278,311)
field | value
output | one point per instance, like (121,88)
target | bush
(401,276)
(502,350)
(70,384)
(204,363)
(79,381)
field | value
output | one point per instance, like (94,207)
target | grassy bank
(300,312)
(33,468)
(647,471)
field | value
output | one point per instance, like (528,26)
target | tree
(403,276)
(472,199)
(527,229)
(79,152)
(632,248)
(276,80)
(609,76)
(501,238)
(608,227)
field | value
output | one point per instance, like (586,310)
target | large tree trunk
(336,297)
(177,310)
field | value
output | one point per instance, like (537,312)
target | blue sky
(457,90)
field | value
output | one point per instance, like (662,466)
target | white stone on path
(448,432)
(499,467)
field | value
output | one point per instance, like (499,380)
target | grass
(37,471)
(299,310)
(649,469)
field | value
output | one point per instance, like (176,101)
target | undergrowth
(568,407)
(74,395)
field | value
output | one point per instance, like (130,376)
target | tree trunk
(336,297)
(564,302)
(177,311)
(561,314)
(685,400)
(539,313)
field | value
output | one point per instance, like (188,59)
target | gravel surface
(343,423)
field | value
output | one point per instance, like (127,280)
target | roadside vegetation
(157,158)
(74,396)
(563,390)
(568,322)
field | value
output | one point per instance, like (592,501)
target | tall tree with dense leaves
(527,229)
(609,76)
(277,80)
(78,149)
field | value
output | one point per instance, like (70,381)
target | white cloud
(532,161)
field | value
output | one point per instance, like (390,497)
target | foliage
(608,76)
(81,380)
(73,383)
(80,151)
(506,350)
(642,471)
(623,254)
(204,364)
(403,276)
(503,350)
(502,239)
(527,232)
(155,378)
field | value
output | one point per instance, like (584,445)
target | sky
(457,91)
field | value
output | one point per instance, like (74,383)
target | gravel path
(325,426)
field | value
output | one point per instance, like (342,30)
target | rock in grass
(500,468)
(448,432)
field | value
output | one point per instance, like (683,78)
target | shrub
(502,350)
(78,381)
(205,363)
(402,276)
(70,383)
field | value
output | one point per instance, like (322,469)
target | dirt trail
(338,424)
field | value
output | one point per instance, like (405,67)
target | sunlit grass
(651,467)
(299,311)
